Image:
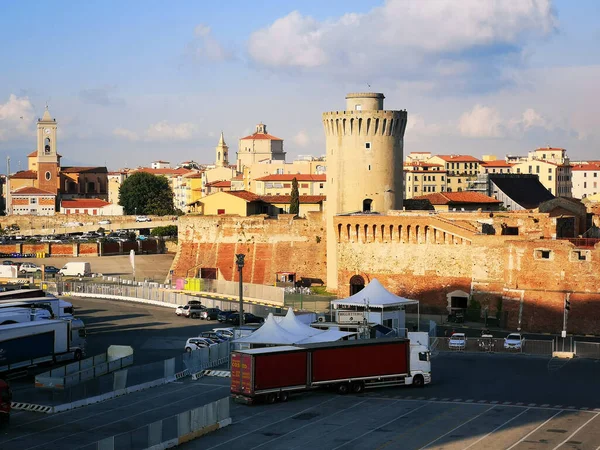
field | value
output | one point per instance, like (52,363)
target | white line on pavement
(272,423)
(496,429)
(576,431)
(308,424)
(456,428)
(533,431)
(120,420)
(382,425)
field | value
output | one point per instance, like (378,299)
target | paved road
(83,426)
(326,421)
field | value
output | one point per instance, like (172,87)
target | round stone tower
(364,163)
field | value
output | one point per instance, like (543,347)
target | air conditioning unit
(321,319)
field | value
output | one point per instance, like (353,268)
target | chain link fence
(587,349)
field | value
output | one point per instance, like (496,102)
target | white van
(76,269)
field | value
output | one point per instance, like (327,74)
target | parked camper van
(76,269)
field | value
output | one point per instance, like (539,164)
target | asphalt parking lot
(327,421)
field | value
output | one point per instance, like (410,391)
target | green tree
(295,198)
(169,230)
(144,193)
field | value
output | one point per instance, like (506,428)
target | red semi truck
(272,373)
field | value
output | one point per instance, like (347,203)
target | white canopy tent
(290,331)
(375,296)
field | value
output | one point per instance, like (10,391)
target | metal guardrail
(587,349)
(495,345)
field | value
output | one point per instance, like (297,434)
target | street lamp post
(239,260)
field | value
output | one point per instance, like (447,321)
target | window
(369,166)
(537,169)
(549,169)
(542,254)
(518,170)
(48,175)
(358,107)
(220,211)
(584,175)
(368,145)
(595,174)
(287,185)
(304,185)
(530,169)
(32,201)
(549,177)
(579,255)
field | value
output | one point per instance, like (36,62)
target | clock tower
(47,158)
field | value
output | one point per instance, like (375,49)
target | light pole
(239,260)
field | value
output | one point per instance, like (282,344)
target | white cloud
(126,134)
(16,117)
(409,39)
(301,139)
(481,121)
(160,131)
(486,122)
(417,126)
(204,46)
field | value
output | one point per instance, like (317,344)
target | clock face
(47,131)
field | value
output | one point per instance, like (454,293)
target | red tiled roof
(220,184)
(290,177)
(28,190)
(25,175)
(449,198)
(180,171)
(84,203)
(422,164)
(589,166)
(287,198)
(97,169)
(245,195)
(499,163)
(262,136)
(194,175)
(458,158)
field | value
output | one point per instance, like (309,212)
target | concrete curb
(31,407)
(205,430)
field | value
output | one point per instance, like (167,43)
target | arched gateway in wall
(357,284)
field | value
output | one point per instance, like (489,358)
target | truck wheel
(79,275)
(358,387)
(271,398)
(283,397)
(418,381)
(343,388)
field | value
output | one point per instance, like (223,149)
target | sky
(137,81)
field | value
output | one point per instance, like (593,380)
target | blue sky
(131,82)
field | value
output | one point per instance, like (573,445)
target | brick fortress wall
(270,245)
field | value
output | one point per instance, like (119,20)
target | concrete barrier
(191,425)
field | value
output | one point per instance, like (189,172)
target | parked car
(248,318)
(179,310)
(29,268)
(196,343)
(514,341)
(210,314)
(226,332)
(104,222)
(8,262)
(73,224)
(193,311)
(51,270)
(457,341)
(143,219)
(224,315)
(213,336)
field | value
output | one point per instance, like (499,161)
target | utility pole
(566,309)
(239,260)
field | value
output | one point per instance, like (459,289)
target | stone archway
(357,284)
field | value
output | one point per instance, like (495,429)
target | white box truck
(12,315)
(24,345)
(8,272)
(76,269)
(59,309)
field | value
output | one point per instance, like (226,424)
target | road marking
(456,428)
(114,421)
(533,431)
(576,431)
(381,426)
(496,429)
(254,430)
(308,424)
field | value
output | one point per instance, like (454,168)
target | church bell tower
(222,153)
(47,157)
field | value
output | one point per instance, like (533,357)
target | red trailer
(5,402)
(271,373)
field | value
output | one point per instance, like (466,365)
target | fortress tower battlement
(364,147)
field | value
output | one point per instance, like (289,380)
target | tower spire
(222,153)
(46,117)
